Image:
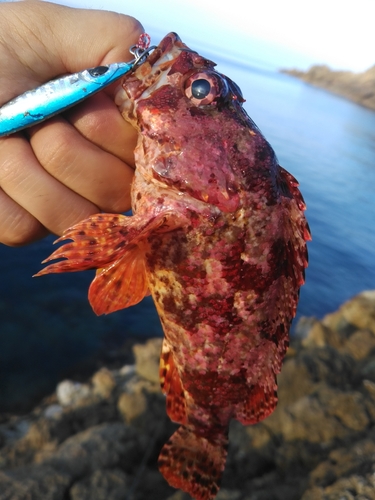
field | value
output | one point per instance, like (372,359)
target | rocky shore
(99,440)
(358,87)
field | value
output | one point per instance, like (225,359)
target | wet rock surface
(100,438)
(358,87)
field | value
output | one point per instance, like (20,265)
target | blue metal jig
(35,106)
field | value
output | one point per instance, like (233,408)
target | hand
(79,163)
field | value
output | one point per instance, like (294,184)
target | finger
(99,120)
(17,226)
(40,40)
(85,168)
(24,180)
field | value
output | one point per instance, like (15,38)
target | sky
(275,33)
(279,33)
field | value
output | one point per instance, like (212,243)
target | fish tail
(194,463)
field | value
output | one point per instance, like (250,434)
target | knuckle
(54,151)
(127,24)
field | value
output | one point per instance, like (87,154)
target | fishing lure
(41,103)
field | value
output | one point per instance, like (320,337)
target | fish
(217,237)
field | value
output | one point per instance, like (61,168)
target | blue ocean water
(326,142)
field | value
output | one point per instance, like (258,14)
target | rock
(223,494)
(368,369)
(355,314)
(104,383)
(347,473)
(69,393)
(101,439)
(151,485)
(131,406)
(303,327)
(147,358)
(53,411)
(16,429)
(101,485)
(127,371)
(39,482)
(316,337)
(179,495)
(360,344)
(99,447)
(349,408)
(358,87)
(347,488)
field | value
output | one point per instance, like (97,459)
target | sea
(47,329)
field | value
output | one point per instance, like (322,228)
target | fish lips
(144,76)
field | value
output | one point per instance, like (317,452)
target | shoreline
(356,87)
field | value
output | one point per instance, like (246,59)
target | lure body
(35,106)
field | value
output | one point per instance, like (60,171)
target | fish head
(194,135)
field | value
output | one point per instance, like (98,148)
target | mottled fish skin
(218,237)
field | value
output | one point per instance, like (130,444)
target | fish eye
(200,88)
(205,87)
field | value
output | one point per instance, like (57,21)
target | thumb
(41,40)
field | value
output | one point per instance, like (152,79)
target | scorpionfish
(218,237)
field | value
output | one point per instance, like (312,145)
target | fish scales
(218,237)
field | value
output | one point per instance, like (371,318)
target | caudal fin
(194,463)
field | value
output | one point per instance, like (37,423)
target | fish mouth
(149,75)
(164,51)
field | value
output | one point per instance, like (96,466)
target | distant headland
(358,87)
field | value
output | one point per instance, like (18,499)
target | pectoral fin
(113,244)
(119,285)
(100,240)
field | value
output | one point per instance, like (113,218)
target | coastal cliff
(99,439)
(358,87)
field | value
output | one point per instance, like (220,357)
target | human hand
(76,164)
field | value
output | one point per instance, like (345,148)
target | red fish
(218,237)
